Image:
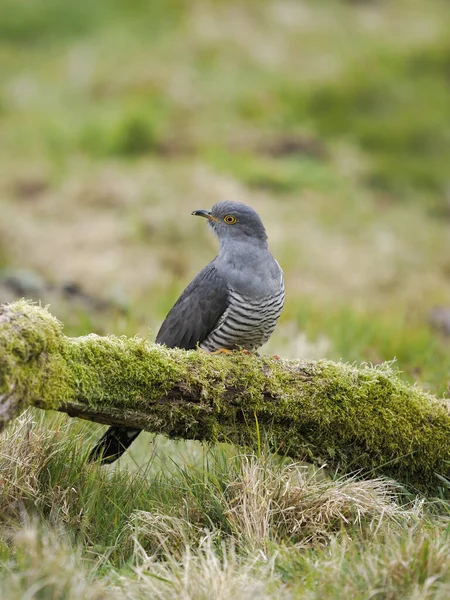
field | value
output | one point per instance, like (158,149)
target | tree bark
(355,419)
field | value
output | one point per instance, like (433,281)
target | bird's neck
(241,248)
(249,268)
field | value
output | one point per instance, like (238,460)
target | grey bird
(233,303)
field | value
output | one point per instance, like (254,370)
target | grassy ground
(118,119)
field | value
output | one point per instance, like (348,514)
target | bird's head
(234,221)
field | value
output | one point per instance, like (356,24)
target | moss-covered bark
(357,419)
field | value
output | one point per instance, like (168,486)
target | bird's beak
(204,213)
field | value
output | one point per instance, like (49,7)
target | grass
(116,121)
(217,520)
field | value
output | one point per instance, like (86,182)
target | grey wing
(196,311)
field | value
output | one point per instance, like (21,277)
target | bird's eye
(230,219)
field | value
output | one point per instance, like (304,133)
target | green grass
(117,119)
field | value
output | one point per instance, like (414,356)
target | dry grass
(293,502)
(197,530)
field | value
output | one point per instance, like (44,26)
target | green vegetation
(117,119)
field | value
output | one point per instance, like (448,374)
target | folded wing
(196,311)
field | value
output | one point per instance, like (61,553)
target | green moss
(30,364)
(363,419)
(103,369)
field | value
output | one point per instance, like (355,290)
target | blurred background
(330,117)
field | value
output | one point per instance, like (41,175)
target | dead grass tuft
(296,503)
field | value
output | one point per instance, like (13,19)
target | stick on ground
(355,419)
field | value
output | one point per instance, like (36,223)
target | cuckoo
(233,303)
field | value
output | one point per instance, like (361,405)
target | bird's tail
(113,444)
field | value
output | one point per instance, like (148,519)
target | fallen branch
(356,419)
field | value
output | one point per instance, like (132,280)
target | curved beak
(204,213)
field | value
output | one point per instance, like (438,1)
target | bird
(234,303)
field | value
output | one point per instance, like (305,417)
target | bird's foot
(222,351)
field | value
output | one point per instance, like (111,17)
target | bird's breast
(250,270)
(248,321)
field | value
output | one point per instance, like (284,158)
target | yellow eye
(230,219)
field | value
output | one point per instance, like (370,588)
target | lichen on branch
(357,419)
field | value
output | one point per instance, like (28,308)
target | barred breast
(247,322)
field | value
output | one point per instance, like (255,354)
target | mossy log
(355,419)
